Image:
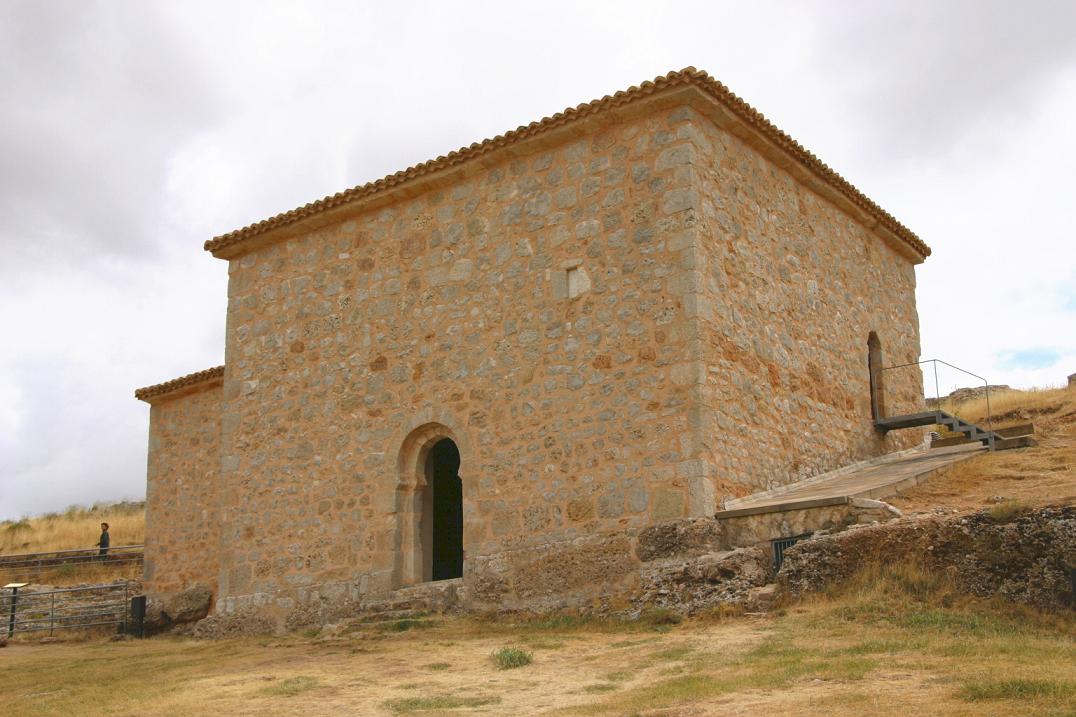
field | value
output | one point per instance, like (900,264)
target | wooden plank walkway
(877,479)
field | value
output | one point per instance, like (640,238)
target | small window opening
(573,282)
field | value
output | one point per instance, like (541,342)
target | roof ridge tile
(688,76)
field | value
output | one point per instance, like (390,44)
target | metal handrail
(87,588)
(937,390)
(43,555)
(26,565)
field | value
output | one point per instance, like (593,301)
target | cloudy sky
(132,131)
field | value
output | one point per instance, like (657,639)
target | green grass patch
(1018,689)
(538,642)
(676,690)
(407,623)
(957,622)
(599,688)
(558,622)
(673,654)
(508,658)
(1009,510)
(437,702)
(634,643)
(883,646)
(436,666)
(18,526)
(779,661)
(290,687)
(660,616)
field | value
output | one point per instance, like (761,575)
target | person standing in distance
(103,542)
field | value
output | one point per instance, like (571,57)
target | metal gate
(780,545)
(65,608)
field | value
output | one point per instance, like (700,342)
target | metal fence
(29,566)
(28,610)
(780,545)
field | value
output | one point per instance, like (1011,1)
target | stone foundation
(688,565)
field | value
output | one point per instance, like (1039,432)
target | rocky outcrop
(1025,556)
(244,622)
(183,608)
(681,538)
(692,585)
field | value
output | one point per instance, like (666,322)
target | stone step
(926,418)
(1024,429)
(954,440)
(994,439)
(761,599)
(395,603)
(381,625)
(1004,444)
(391,615)
(1004,438)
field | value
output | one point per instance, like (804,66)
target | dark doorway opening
(874,365)
(443,512)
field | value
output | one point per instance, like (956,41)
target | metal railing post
(11,620)
(937,388)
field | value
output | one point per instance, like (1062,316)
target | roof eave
(691,86)
(191,383)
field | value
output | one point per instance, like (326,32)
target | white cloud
(134,131)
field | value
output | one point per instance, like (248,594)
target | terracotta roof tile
(688,76)
(178,384)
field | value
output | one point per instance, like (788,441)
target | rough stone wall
(182,515)
(617,330)
(568,396)
(788,289)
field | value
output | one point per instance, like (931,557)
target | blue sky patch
(1028,358)
(1070,302)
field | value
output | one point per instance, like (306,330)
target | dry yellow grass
(74,528)
(897,641)
(1015,406)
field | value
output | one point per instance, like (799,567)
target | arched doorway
(874,365)
(442,513)
(429,515)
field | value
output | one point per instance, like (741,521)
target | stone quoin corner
(492,371)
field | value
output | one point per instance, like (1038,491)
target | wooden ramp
(876,479)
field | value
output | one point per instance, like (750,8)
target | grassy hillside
(1045,473)
(1014,407)
(76,527)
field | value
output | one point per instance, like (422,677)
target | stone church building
(618,316)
